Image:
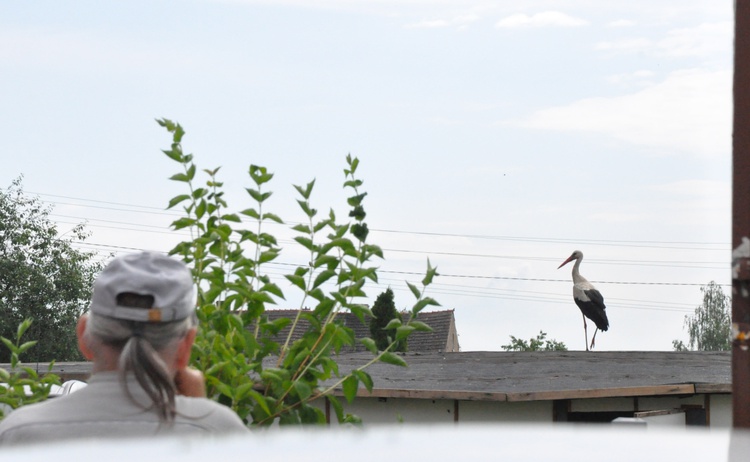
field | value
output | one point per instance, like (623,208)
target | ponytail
(141,345)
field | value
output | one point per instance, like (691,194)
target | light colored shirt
(103,410)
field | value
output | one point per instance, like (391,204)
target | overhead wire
(457,290)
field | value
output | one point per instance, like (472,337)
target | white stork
(588,299)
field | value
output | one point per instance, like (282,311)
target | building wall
(493,411)
(402,410)
(721,411)
(422,411)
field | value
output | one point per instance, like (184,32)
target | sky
(494,139)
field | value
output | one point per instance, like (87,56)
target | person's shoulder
(209,413)
(25,416)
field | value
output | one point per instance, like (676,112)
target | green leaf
(191,172)
(301,228)
(323,277)
(328,260)
(306,191)
(403,332)
(365,378)
(369,344)
(261,400)
(273,217)
(200,209)
(356,200)
(268,255)
(422,304)
(255,194)
(350,386)
(306,208)
(393,324)
(431,273)
(414,290)
(26,346)
(180,177)
(183,222)
(22,328)
(305,242)
(273,289)
(420,326)
(172,154)
(252,213)
(303,389)
(390,358)
(298,281)
(8,344)
(178,199)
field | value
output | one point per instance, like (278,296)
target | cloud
(621,23)
(705,40)
(640,78)
(429,24)
(689,112)
(716,191)
(545,19)
(82,52)
(630,45)
(459,21)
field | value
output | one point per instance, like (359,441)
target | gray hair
(141,345)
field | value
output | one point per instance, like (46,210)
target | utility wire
(610,242)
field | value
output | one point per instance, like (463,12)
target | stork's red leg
(593,339)
(585,332)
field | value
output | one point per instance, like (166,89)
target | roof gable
(442,338)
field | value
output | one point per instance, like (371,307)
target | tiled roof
(442,338)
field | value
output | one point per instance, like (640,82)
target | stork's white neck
(576,274)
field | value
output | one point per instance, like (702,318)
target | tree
(540,343)
(710,326)
(42,277)
(384,312)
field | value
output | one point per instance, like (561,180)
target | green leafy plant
(264,376)
(539,343)
(22,385)
(710,326)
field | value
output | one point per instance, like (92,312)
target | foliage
(42,277)
(384,311)
(540,343)
(710,326)
(22,385)
(248,367)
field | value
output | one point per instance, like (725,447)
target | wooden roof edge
(428,394)
(463,395)
(711,388)
(616,392)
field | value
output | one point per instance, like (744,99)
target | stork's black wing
(594,308)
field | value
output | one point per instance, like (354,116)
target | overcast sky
(494,138)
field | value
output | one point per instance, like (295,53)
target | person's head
(142,321)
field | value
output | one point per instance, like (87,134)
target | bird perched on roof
(588,299)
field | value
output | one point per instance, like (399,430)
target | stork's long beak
(570,259)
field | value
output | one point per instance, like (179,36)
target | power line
(609,242)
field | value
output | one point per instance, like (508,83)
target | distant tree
(42,277)
(540,343)
(710,326)
(384,311)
